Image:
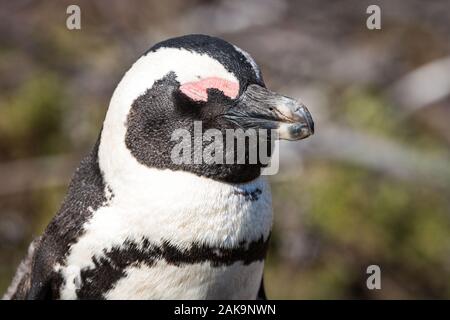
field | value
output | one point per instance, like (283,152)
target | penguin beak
(260,108)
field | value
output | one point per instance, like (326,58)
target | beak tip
(306,116)
(311,126)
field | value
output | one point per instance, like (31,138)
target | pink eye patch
(197,90)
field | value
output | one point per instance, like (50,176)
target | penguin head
(188,82)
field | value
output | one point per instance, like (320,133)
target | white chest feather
(197,281)
(183,209)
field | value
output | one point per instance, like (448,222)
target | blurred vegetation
(359,218)
(333,216)
(34,110)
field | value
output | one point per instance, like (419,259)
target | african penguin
(136,225)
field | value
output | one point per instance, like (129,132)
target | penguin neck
(190,208)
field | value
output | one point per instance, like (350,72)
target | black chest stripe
(110,267)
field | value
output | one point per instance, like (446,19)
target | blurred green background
(371,186)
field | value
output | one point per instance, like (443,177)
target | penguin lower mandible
(135,224)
